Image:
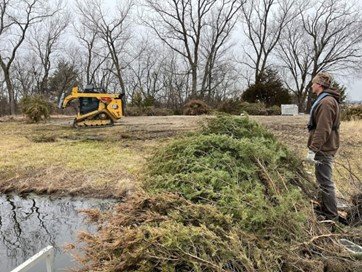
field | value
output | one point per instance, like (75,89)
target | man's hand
(311,157)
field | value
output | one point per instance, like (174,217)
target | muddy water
(29,224)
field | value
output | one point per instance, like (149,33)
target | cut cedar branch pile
(228,198)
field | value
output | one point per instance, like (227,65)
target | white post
(50,260)
(46,253)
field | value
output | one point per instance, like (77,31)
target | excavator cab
(96,107)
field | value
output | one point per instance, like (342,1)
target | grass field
(53,157)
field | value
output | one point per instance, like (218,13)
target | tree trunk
(309,100)
(11,93)
(120,78)
(308,94)
(44,83)
(194,81)
(121,83)
(300,101)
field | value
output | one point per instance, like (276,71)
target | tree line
(170,51)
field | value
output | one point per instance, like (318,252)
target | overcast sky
(354,84)
(354,88)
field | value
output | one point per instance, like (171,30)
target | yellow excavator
(96,107)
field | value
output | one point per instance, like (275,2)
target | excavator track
(93,123)
(100,120)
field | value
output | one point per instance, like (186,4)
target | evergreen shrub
(36,108)
(274,110)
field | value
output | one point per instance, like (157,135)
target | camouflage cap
(324,79)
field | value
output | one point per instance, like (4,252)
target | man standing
(323,141)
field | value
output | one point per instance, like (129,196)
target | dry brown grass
(102,162)
(52,158)
(348,165)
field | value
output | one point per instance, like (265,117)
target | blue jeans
(327,196)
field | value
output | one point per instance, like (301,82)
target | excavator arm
(74,95)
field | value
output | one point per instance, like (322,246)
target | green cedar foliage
(36,108)
(227,198)
(236,165)
(268,89)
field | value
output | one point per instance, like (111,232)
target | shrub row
(36,108)
(199,107)
(349,113)
(235,106)
(148,111)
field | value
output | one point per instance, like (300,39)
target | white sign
(289,109)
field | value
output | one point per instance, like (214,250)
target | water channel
(29,224)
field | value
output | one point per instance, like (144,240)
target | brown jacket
(324,138)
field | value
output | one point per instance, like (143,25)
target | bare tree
(336,31)
(146,72)
(176,84)
(44,39)
(265,21)
(25,74)
(182,24)
(215,45)
(95,55)
(326,36)
(294,53)
(226,78)
(113,30)
(15,19)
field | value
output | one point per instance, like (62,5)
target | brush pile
(196,107)
(228,198)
